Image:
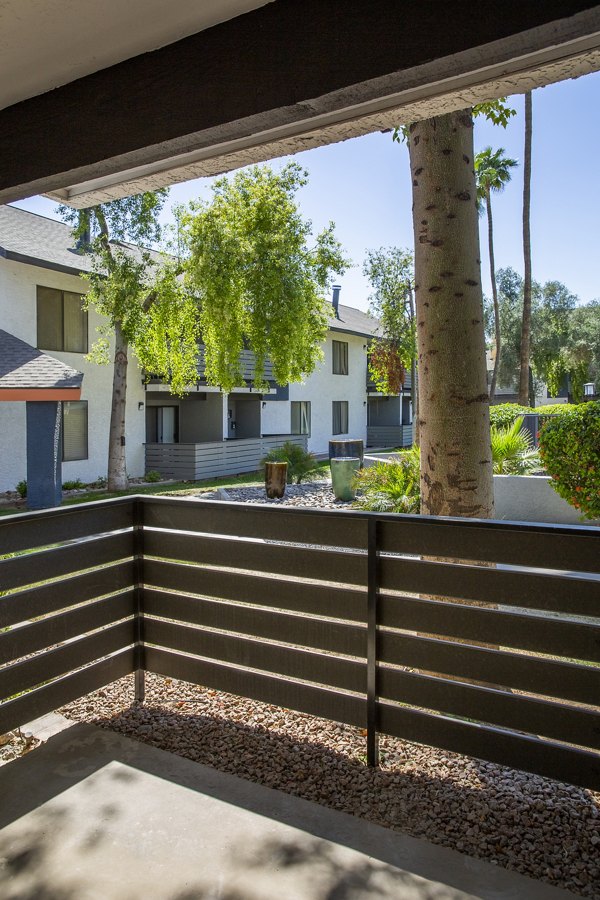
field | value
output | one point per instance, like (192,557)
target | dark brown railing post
(138,561)
(372,587)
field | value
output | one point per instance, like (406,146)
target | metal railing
(479,637)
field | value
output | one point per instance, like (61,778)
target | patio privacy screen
(476,637)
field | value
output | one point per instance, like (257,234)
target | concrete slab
(46,726)
(91,815)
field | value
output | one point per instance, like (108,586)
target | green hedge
(505,414)
(570,450)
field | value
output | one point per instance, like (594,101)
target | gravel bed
(315,494)
(14,744)
(536,826)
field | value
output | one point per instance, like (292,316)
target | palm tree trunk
(456,465)
(413,377)
(117,461)
(488,202)
(526,327)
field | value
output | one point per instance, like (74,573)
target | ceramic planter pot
(343,470)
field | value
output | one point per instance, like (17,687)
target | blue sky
(363,185)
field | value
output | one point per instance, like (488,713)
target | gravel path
(536,826)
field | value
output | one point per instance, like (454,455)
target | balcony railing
(213,459)
(389,435)
(363,618)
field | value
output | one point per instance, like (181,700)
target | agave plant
(513,452)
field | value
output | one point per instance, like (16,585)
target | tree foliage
(390,272)
(137,289)
(258,277)
(565,335)
(493,172)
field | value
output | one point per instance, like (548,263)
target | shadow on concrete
(93,814)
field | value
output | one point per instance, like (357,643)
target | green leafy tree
(391,274)
(141,300)
(493,172)
(565,335)
(258,276)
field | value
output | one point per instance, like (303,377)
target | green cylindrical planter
(343,470)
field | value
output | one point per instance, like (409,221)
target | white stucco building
(204,434)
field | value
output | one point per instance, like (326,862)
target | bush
(75,485)
(21,489)
(152,476)
(301,464)
(503,415)
(555,409)
(570,450)
(513,452)
(391,486)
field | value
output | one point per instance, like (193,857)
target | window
(340,417)
(75,430)
(340,357)
(62,323)
(162,424)
(300,417)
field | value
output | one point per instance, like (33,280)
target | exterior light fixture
(140,405)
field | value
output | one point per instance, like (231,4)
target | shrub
(554,409)
(513,452)
(21,489)
(503,415)
(301,464)
(100,482)
(74,485)
(152,476)
(391,486)
(570,450)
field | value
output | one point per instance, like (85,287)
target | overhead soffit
(48,43)
(270,83)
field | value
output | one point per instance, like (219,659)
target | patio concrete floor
(91,815)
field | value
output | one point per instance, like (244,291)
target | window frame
(339,357)
(85,405)
(61,349)
(307,417)
(344,412)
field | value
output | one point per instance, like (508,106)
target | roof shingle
(24,367)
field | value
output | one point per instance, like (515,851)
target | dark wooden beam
(288,62)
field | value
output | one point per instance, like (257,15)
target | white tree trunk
(454,423)
(117,459)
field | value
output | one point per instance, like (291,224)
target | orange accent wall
(40,394)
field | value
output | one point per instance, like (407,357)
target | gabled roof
(354,321)
(23,368)
(30,238)
(36,240)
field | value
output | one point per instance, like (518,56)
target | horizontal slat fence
(68,605)
(478,637)
(274,606)
(214,459)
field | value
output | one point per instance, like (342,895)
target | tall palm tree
(526,328)
(493,172)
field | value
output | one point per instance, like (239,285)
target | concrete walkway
(92,815)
